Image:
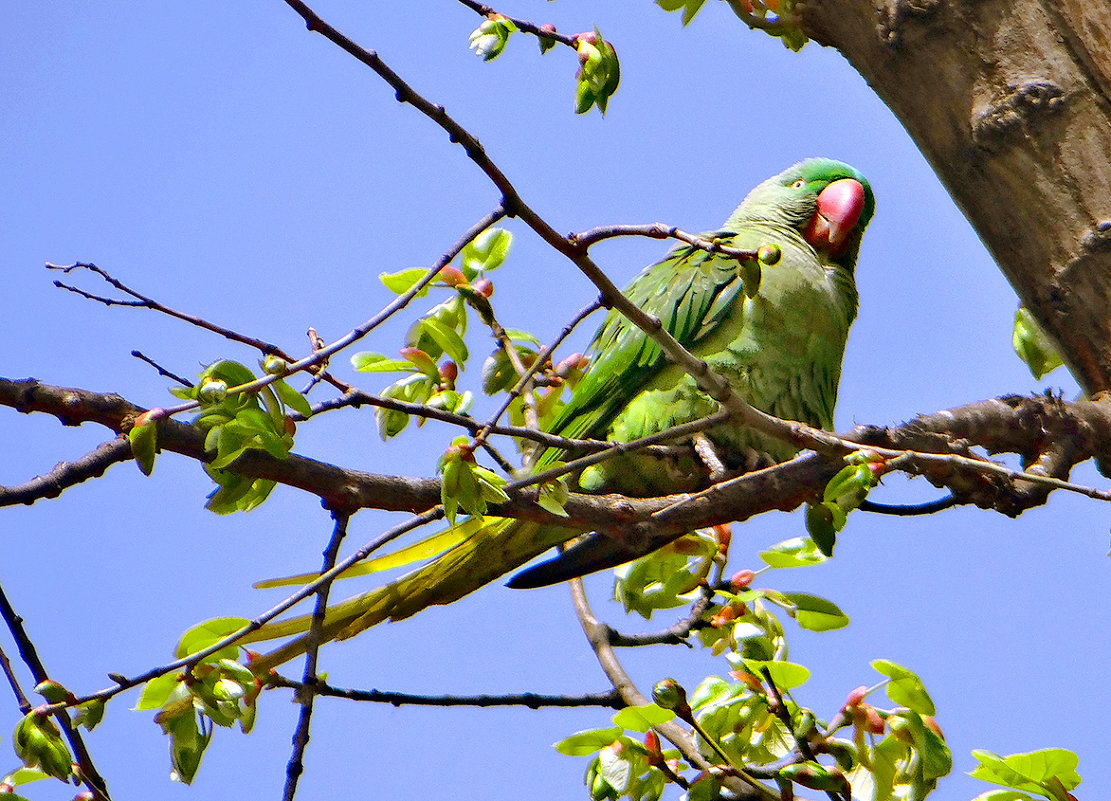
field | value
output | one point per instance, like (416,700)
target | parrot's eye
(799,184)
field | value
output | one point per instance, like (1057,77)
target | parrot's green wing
(689,292)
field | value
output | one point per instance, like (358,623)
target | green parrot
(779,347)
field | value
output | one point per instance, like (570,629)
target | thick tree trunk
(1010,101)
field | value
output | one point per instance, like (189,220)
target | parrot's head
(827,201)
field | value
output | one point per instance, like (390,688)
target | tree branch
(306,694)
(66,474)
(610,699)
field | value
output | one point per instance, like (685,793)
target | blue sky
(222,159)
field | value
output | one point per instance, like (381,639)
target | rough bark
(1010,101)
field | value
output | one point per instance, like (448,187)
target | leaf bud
(53,691)
(213,390)
(769,254)
(670,695)
(452,276)
(931,724)
(484,287)
(275,365)
(742,579)
(855,697)
(449,371)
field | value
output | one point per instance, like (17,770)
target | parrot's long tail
(498,546)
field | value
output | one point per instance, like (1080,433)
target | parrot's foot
(708,454)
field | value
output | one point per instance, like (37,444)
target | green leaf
(690,7)
(143,437)
(156,692)
(933,757)
(822,526)
(1031,771)
(642,718)
(786,675)
(231,373)
(369,362)
(587,742)
(402,281)
(517,335)
(815,613)
(905,688)
(795,552)
(599,72)
(423,362)
(1003,795)
(250,421)
(552,495)
(498,373)
(449,341)
(1033,345)
(188,741)
(485,252)
(292,398)
(89,714)
(206,634)
(616,768)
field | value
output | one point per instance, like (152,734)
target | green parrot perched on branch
(778,342)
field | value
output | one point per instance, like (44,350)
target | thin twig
(13,682)
(144,302)
(909,510)
(522,24)
(162,371)
(675,634)
(306,695)
(610,699)
(660,231)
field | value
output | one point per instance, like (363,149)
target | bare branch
(66,474)
(657,230)
(609,699)
(306,694)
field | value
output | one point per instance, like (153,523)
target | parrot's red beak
(839,207)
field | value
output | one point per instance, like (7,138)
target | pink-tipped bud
(742,579)
(449,371)
(931,724)
(724,616)
(875,723)
(452,276)
(748,679)
(855,697)
(484,287)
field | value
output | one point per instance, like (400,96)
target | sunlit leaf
(587,742)
(642,718)
(905,687)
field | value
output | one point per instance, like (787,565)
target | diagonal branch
(66,474)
